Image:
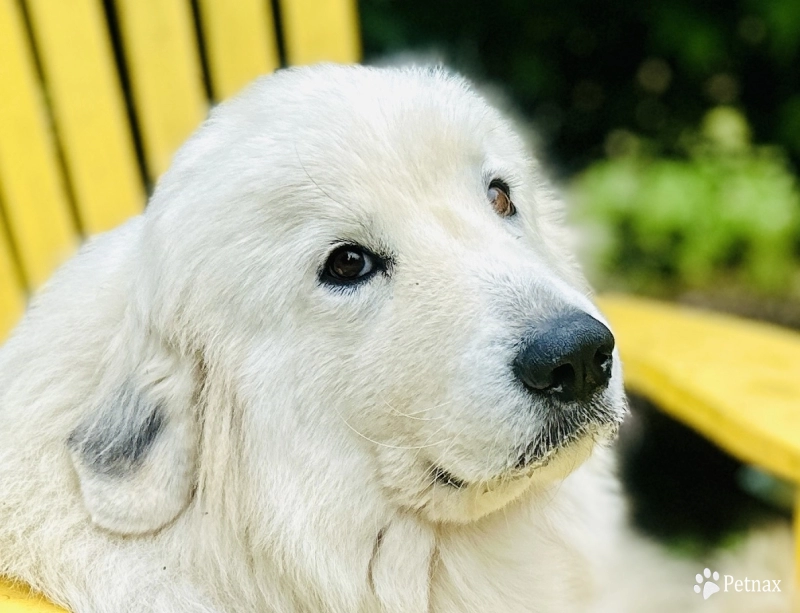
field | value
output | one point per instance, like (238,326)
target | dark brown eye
(500,196)
(349,264)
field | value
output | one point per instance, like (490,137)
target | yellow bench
(78,152)
(735,381)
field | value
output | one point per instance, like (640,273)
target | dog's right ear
(135,450)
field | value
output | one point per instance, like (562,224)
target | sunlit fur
(193,421)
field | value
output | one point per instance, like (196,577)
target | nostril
(563,378)
(600,371)
(602,361)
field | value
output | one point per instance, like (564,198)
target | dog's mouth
(541,451)
(599,422)
(555,436)
(535,456)
(441,476)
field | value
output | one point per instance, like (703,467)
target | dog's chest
(529,575)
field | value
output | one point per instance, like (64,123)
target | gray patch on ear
(115,442)
(135,452)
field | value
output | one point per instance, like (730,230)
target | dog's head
(373,262)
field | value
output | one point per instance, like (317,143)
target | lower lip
(445,478)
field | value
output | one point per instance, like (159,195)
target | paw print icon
(706,583)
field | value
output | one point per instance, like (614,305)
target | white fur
(291,469)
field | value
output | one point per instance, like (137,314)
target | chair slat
(240,43)
(166,75)
(91,120)
(32,189)
(734,381)
(15,598)
(317,31)
(12,295)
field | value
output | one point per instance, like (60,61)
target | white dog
(344,362)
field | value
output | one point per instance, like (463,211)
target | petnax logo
(707,584)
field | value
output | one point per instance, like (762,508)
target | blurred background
(673,126)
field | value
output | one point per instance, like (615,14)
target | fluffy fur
(194,421)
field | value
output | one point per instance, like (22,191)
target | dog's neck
(294,552)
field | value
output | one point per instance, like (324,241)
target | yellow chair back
(96,96)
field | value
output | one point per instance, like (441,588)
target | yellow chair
(69,161)
(92,107)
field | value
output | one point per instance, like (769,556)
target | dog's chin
(440,496)
(456,500)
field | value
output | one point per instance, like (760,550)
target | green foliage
(668,212)
(727,213)
(582,68)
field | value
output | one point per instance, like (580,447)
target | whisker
(413,414)
(387,445)
(446,450)
(430,436)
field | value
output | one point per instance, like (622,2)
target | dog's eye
(350,264)
(500,196)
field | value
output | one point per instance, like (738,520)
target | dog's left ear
(135,449)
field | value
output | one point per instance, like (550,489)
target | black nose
(568,356)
